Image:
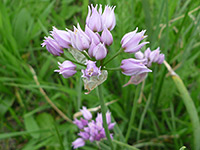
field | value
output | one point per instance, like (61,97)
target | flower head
(130,41)
(94,130)
(67,69)
(93,19)
(99,51)
(61,37)
(106,37)
(52,46)
(108,17)
(79,39)
(151,56)
(91,70)
(132,67)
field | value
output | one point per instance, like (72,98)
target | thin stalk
(189,104)
(125,145)
(112,69)
(76,62)
(134,108)
(103,111)
(86,55)
(119,52)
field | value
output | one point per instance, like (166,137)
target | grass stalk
(133,112)
(189,104)
(103,111)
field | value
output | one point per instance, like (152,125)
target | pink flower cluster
(93,40)
(91,130)
(138,68)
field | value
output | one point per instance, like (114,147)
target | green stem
(125,145)
(74,61)
(103,111)
(86,55)
(134,108)
(112,69)
(119,52)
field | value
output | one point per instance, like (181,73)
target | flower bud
(161,59)
(61,37)
(139,55)
(91,70)
(100,51)
(93,19)
(93,36)
(79,39)
(130,41)
(131,67)
(106,37)
(78,143)
(108,17)
(52,46)
(67,69)
(90,50)
(86,114)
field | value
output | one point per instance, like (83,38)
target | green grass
(161,120)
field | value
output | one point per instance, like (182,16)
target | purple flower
(108,17)
(94,130)
(52,46)
(93,36)
(91,70)
(61,37)
(67,69)
(99,51)
(90,50)
(106,37)
(79,39)
(151,56)
(93,19)
(130,41)
(86,114)
(131,67)
(78,143)
(136,79)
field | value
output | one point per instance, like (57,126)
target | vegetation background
(28,122)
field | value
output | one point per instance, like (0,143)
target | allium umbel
(93,130)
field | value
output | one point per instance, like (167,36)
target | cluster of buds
(138,68)
(91,130)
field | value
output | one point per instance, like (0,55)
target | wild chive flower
(106,37)
(61,37)
(79,39)
(130,41)
(91,70)
(108,17)
(67,69)
(99,51)
(93,19)
(93,36)
(52,46)
(93,130)
(151,56)
(132,67)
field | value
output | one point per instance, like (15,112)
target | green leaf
(31,125)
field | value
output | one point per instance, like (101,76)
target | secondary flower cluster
(138,68)
(91,130)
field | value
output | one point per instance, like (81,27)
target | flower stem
(133,112)
(119,52)
(76,62)
(86,55)
(103,111)
(112,69)
(125,145)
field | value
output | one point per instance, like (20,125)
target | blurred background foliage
(28,122)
